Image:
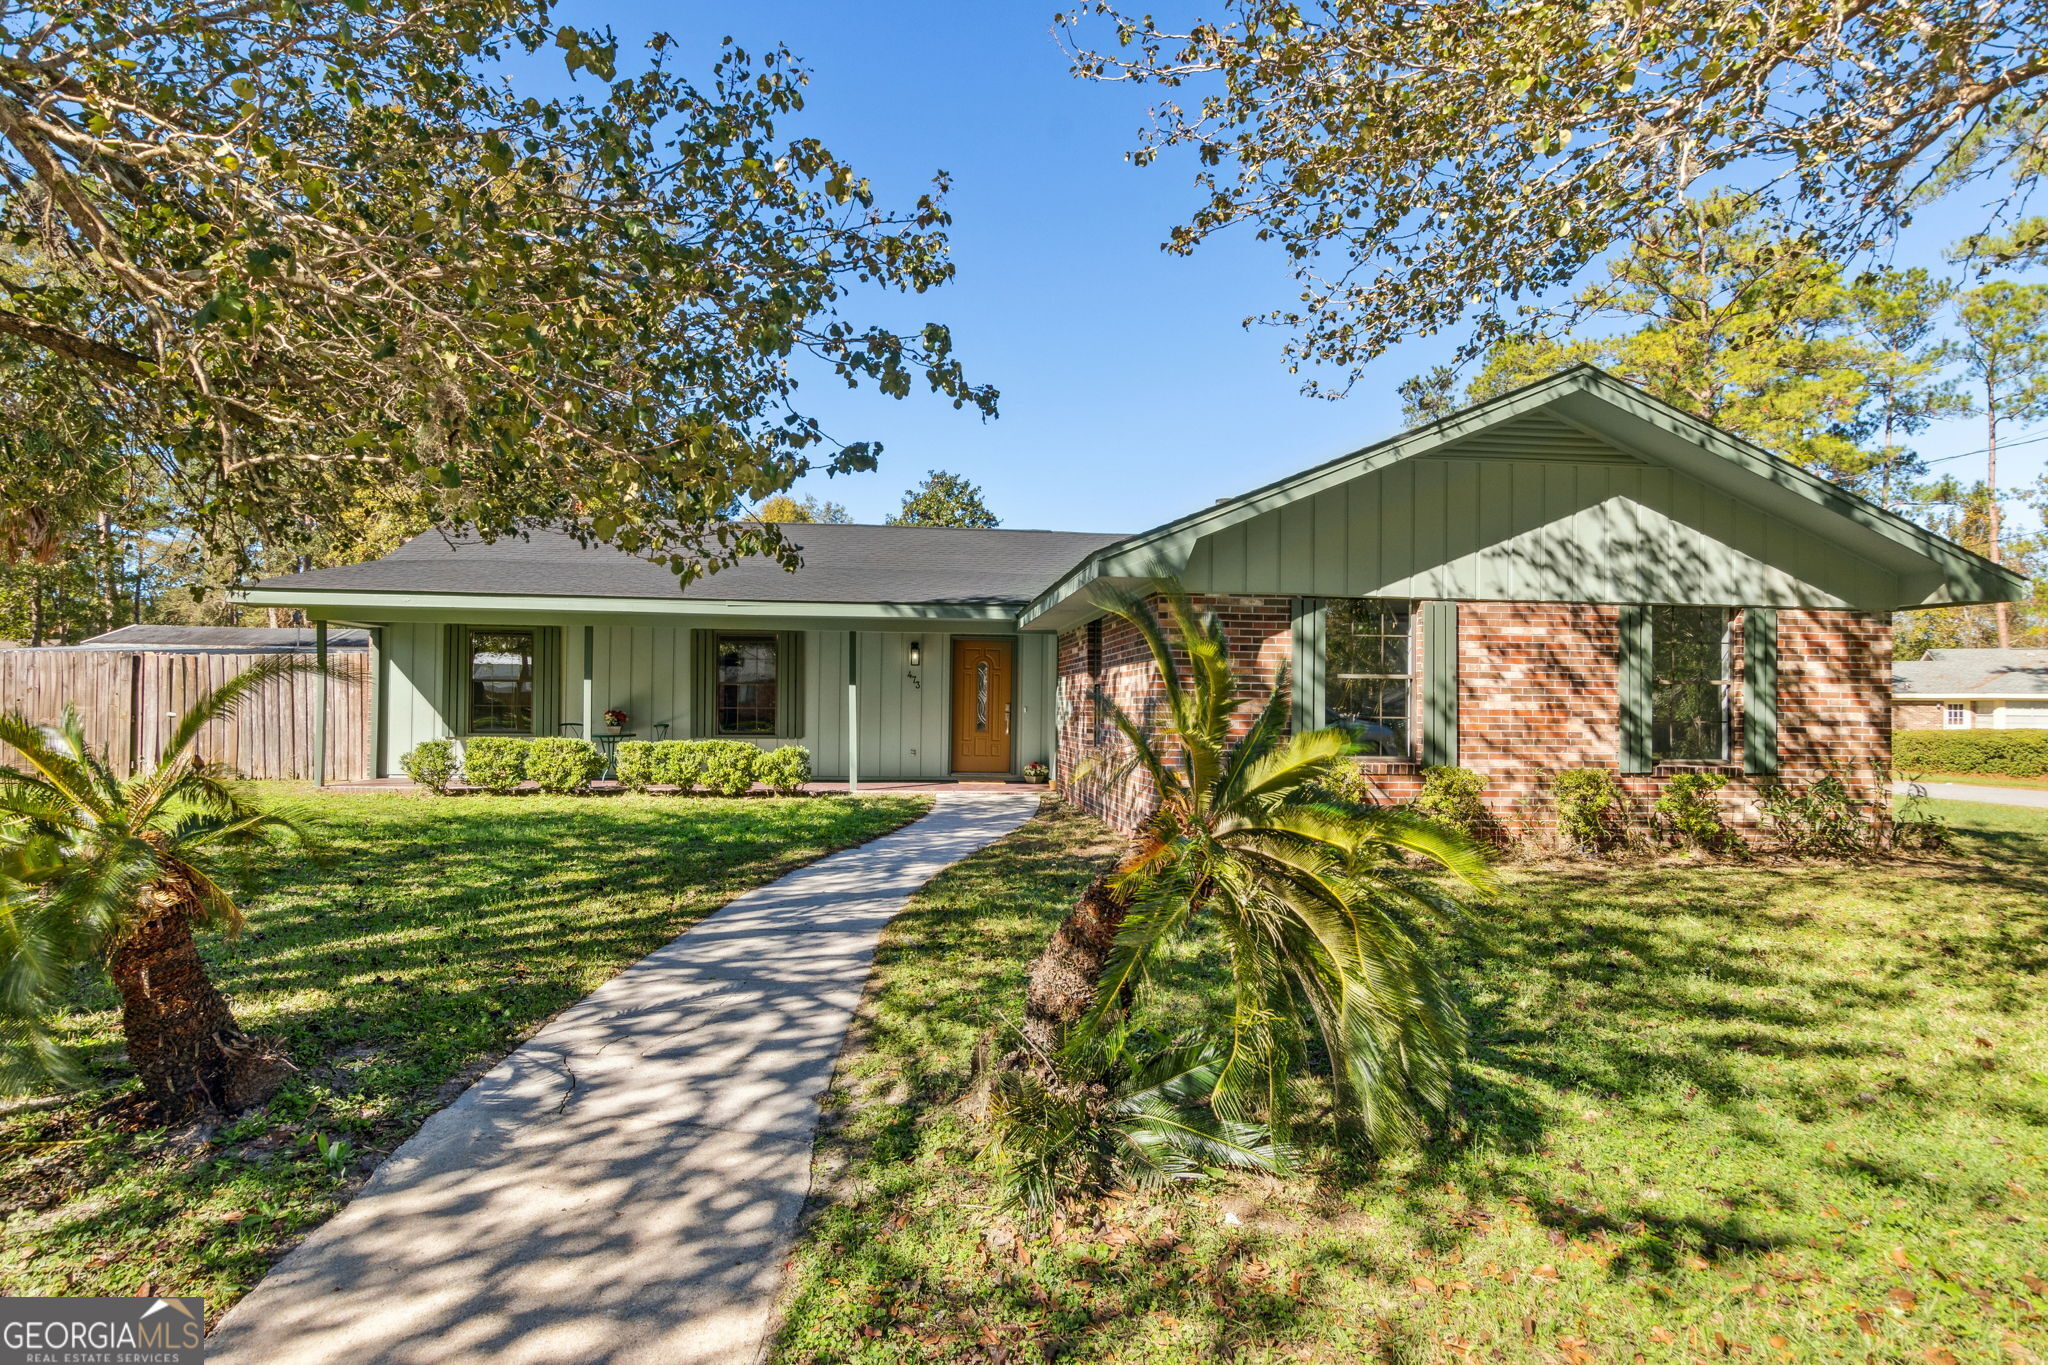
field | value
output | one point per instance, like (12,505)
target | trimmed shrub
(1689,814)
(1450,796)
(680,762)
(786,769)
(1590,807)
(2002,753)
(639,764)
(431,764)
(562,765)
(728,765)
(494,763)
(725,767)
(1345,783)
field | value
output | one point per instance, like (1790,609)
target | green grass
(1714,1111)
(443,932)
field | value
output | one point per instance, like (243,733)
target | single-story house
(224,639)
(1570,575)
(1972,689)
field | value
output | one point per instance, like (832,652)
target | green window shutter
(703,677)
(1635,685)
(789,700)
(1760,692)
(1440,684)
(1308,664)
(455,679)
(547,680)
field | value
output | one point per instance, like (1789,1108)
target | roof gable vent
(1537,435)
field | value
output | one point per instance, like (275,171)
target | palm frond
(1269,729)
(54,757)
(38,960)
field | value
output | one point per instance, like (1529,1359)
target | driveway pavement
(1969,791)
(625,1186)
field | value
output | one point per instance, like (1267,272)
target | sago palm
(1326,909)
(98,871)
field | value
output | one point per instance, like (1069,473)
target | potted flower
(1036,772)
(615,718)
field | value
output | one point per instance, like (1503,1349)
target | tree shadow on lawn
(1707,1026)
(1677,995)
(436,936)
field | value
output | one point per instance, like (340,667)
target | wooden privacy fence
(130,699)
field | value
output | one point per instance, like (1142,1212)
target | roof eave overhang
(1962,695)
(359,605)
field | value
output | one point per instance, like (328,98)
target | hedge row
(499,765)
(725,767)
(2003,753)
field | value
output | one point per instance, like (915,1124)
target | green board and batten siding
(1527,529)
(645,671)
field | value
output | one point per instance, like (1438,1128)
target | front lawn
(1763,1112)
(443,932)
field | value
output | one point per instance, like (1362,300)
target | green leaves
(322,256)
(1553,132)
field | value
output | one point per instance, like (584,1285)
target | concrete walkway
(625,1186)
(2036,797)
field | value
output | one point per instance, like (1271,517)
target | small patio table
(608,745)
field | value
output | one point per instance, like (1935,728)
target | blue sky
(1131,393)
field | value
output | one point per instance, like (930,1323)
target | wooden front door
(982,670)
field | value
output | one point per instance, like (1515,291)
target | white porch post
(589,692)
(852,711)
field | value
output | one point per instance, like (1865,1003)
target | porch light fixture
(916,654)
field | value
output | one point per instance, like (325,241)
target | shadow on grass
(435,936)
(1663,1058)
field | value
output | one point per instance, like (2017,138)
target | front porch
(890,704)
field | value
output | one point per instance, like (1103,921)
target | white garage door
(2026,715)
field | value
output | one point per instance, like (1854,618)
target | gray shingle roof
(224,638)
(1973,672)
(929,564)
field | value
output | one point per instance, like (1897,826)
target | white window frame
(1957,715)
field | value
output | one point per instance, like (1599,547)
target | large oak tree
(324,247)
(1426,163)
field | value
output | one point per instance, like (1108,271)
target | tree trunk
(181,1035)
(1066,977)
(110,573)
(1999,610)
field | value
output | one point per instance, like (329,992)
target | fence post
(320,706)
(134,714)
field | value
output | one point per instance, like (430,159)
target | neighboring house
(1571,575)
(224,639)
(1972,689)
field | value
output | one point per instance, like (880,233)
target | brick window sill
(1394,767)
(1726,767)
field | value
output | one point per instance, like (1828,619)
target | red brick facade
(1537,693)
(1088,749)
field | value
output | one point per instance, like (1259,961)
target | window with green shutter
(1369,672)
(1356,669)
(747,684)
(502,680)
(1674,685)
